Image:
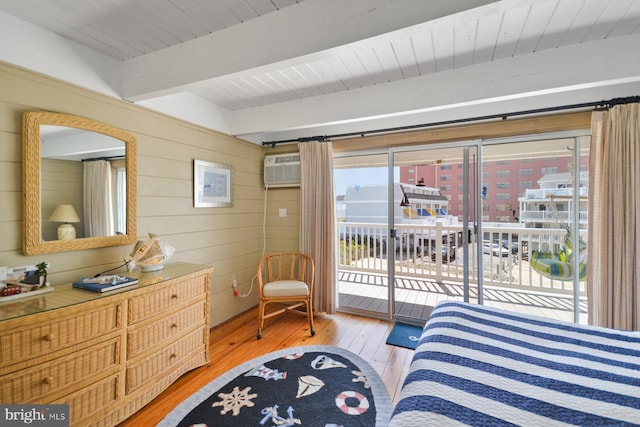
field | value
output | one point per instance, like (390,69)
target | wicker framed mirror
(55,151)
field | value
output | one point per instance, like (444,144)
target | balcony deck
(415,297)
(421,281)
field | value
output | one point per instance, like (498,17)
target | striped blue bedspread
(483,366)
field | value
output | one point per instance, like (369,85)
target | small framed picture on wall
(212,186)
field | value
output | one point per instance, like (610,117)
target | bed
(482,366)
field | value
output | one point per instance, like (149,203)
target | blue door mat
(404,335)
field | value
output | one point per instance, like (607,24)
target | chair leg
(260,319)
(310,316)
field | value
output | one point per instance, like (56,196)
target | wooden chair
(285,278)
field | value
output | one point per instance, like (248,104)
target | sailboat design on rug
(307,385)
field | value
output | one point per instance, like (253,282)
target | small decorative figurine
(42,272)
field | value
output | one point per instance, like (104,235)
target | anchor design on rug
(271,412)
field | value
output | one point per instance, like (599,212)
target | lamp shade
(64,213)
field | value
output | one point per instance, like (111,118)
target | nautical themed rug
(300,386)
(405,335)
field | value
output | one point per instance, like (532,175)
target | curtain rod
(597,105)
(95,159)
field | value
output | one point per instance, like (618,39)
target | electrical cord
(264,244)
(126,263)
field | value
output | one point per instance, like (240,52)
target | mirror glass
(79,182)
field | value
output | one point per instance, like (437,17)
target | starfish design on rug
(235,400)
(360,378)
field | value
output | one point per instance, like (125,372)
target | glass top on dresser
(65,295)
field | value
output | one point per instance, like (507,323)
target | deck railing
(552,217)
(436,252)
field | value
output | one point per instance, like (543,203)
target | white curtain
(318,220)
(121,201)
(98,207)
(613,267)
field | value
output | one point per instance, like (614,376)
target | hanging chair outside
(558,264)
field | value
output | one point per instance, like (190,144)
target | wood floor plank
(234,342)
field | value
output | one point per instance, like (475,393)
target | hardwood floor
(234,342)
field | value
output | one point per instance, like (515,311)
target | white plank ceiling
(253,58)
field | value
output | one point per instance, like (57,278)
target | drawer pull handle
(48,337)
(173,356)
(47,380)
(174,325)
(174,296)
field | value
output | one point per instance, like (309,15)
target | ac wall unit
(282,170)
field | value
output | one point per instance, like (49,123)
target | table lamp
(65,214)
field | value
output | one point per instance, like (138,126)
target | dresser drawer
(153,303)
(50,378)
(164,360)
(91,401)
(58,333)
(148,336)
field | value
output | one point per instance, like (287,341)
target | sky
(343,178)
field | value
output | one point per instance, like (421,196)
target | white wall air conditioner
(282,170)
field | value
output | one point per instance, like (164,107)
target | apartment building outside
(504,185)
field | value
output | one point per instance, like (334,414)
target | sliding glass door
(434,221)
(534,195)
(403,231)
(495,222)
(362,189)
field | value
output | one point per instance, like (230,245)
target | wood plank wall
(61,183)
(229,239)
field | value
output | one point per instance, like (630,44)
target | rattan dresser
(106,355)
